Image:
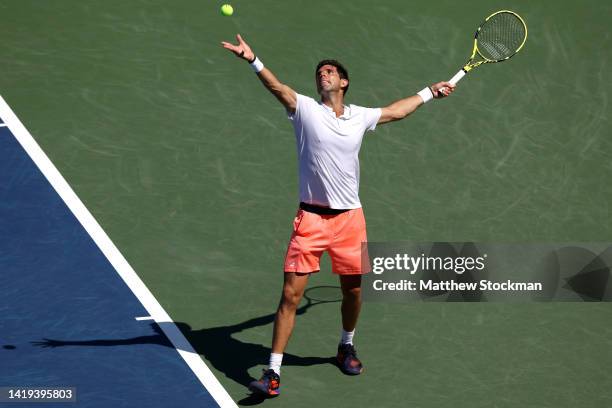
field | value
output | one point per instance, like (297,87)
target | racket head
(500,36)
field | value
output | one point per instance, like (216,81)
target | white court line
(2,124)
(115,257)
(144,318)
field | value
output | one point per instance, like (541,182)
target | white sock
(346,337)
(276,360)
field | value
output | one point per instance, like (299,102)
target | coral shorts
(341,235)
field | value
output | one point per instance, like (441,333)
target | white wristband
(426,94)
(257,65)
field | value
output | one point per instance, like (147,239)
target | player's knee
(291,297)
(352,293)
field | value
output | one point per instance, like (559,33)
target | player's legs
(351,300)
(293,290)
(308,241)
(351,306)
(345,252)
(348,262)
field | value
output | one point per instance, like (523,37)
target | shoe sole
(350,373)
(339,364)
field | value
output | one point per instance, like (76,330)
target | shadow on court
(216,344)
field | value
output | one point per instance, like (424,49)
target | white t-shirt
(328,151)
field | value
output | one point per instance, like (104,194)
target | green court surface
(190,167)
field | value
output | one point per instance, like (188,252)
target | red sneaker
(348,361)
(268,384)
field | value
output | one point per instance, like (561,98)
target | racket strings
(501,36)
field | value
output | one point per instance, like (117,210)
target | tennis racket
(498,38)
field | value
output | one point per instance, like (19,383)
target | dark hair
(341,70)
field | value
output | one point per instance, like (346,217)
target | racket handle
(457,77)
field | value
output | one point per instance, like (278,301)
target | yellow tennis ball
(227,10)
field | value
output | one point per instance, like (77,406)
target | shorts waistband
(321,210)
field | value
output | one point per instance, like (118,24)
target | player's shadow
(227,354)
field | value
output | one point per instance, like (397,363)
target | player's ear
(343,82)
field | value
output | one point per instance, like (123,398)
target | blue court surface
(72,311)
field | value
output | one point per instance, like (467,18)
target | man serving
(328,135)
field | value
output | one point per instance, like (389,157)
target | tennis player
(329,218)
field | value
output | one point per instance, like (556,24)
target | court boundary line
(117,260)
(143,318)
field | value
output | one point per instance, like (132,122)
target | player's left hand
(241,50)
(442,89)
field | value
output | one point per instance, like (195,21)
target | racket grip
(457,77)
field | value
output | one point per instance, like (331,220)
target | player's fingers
(442,92)
(231,47)
(239,38)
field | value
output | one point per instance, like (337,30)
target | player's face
(328,79)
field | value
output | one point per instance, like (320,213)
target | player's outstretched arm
(404,107)
(283,93)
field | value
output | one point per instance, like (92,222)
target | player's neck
(334,101)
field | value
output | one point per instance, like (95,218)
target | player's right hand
(241,50)
(442,89)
